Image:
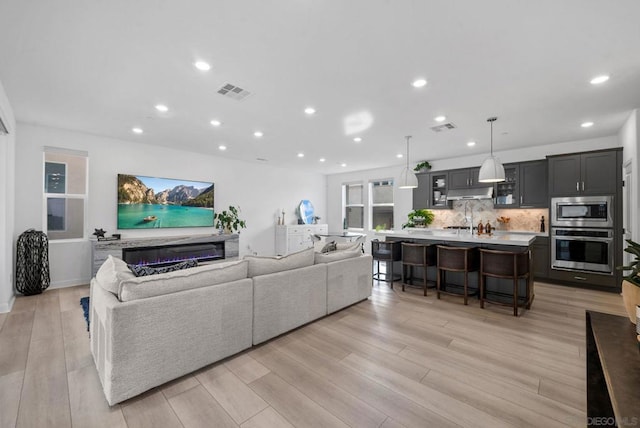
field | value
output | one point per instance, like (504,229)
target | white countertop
(453,235)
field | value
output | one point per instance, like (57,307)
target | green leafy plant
(229,220)
(634,277)
(422,165)
(419,218)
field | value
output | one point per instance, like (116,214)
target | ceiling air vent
(443,127)
(233,91)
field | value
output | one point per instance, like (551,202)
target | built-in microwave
(582,211)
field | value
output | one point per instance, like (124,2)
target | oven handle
(582,238)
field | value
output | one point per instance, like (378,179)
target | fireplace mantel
(100,250)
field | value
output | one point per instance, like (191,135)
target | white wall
(258,189)
(403,199)
(7,157)
(629,138)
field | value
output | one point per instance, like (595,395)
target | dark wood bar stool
(456,259)
(506,265)
(417,255)
(388,252)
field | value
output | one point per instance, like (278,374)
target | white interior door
(627,203)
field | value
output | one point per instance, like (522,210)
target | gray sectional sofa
(146,331)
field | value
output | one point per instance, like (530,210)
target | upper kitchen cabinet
(465,178)
(421,193)
(525,186)
(588,173)
(533,184)
(506,193)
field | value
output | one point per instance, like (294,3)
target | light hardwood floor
(398,359)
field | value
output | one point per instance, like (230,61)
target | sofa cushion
(259,265)
(336,255)
(140,270)
(112,271)
(328,247)
(349,245)
(171,282)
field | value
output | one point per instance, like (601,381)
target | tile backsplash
(520,219)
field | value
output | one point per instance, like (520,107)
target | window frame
(66,196)
(371,204)
(345,205)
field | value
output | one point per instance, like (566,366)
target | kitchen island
(502,240)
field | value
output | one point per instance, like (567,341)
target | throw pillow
(329,246)
(259,265)
(140,270)
(336,256)
(112,271)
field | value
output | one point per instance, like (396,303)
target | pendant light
(491,170)
(408,179)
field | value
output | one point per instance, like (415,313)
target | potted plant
(422,166)
(229,220)
(631,282)
(419,218)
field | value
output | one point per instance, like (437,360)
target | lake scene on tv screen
(152,202)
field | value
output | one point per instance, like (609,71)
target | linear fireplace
(163,255)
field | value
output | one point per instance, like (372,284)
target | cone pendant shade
(408,179)
(491,170)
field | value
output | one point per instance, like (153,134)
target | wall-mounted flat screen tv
(152,202)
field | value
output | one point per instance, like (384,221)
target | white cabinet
(296,237)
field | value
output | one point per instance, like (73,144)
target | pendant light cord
(408,137)
(491,120)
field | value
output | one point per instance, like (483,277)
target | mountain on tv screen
(152,202)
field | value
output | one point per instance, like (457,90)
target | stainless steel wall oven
(582,249)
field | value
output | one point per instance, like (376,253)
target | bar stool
(506,265)
(417,255)
(388,252)
(456,259)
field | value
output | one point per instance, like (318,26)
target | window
(381,205)
(65,193)
(353,206)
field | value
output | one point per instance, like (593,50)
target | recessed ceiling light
(471,143)
(300,155)
(599,79)
(357,139)
(215,123)
(222,147)
(137,130)
(202,66)
(440,118)
(258,134)
(587,124)
(419,83)
(343,165)
(310,111)
(399,155)
(163,108)
(322,160)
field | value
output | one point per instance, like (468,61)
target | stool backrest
(385,250)
(458,257)
(505,263)
(418,254)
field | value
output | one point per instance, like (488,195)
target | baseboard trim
(68,283)
(6,307)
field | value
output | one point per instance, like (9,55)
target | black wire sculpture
(32,263)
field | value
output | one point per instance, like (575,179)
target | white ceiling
(101,66)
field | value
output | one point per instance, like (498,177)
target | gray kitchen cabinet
(507,193)
(465,178)
(525,186)
(421,193)
(589,173)
(541,257)
(534,192)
